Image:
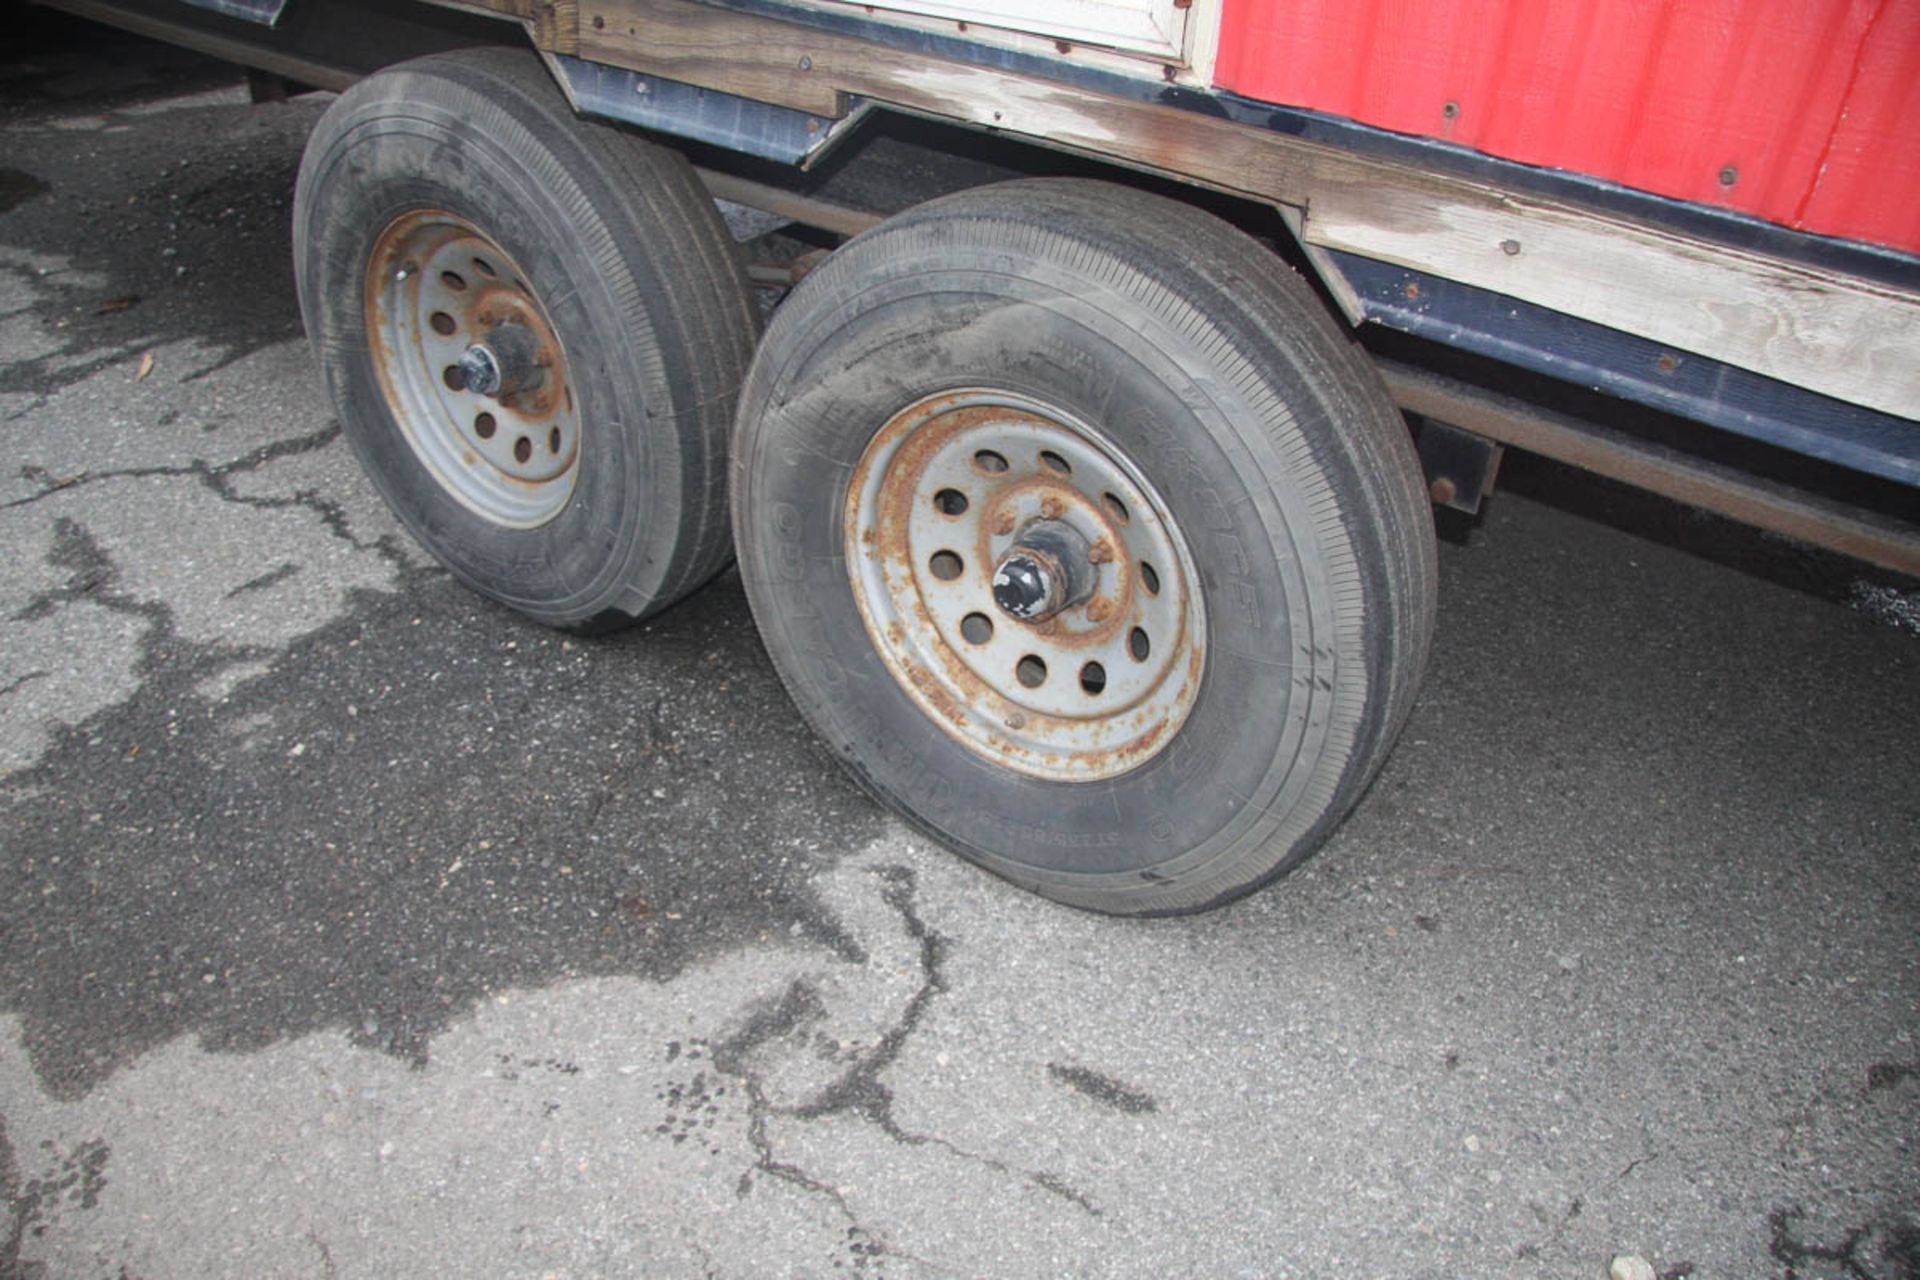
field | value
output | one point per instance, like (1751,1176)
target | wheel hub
(1025,585)
(505,364)
(1047,570)
(474,373)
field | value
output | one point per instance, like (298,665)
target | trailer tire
(995,383)
(533,330)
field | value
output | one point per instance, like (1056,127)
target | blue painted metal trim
(264,12)
(1591,355)
(1871,262)
(686,111)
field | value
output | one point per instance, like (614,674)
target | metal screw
(806,63)
(1510,247)
(1450,110)
(1442,490)
(1016,721)
(1729,176)
(640,87)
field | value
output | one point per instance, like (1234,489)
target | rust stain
(1142,744)
(935,693)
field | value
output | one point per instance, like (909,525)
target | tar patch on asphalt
(424,803)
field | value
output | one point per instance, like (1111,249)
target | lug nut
(1099,609)
(1100,552)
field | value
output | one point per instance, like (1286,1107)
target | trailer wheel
(1094,546)
(533,330)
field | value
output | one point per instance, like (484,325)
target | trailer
(1088,513)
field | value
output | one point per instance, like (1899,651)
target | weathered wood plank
(1843,338)
(777,62)
(555,25)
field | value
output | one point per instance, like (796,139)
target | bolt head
(1021,587)
(480,370)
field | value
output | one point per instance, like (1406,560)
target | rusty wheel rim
(472,369)
(946,496)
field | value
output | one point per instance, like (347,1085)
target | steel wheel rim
(437,288)
(1118,673)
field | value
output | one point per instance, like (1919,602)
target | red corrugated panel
(1805,112)
(1869,185)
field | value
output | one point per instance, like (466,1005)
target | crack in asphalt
(859,1091)
(1899,1246)
(214,475)
(1632,1165)
(1104,1089)
(272,577)
(218,479)
(91,577)
(27,679)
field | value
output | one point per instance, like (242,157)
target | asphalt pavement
(352,926)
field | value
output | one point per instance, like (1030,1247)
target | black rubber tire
(643,286)
(1267,432)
